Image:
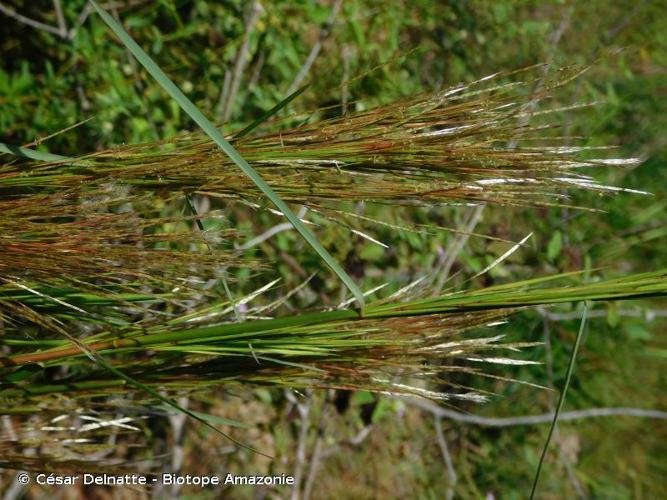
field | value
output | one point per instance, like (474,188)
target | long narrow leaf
(33,154)
(268,114)
(493,298)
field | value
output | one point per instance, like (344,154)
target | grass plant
(109,291)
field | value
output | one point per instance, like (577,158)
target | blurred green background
(237,59)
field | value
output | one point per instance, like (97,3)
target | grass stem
(561,399)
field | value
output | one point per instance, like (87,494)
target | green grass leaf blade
(268,114)
(561,399)
(210,130)
(22,373)
(33,154)
(520,294)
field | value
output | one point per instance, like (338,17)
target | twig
(9,428)
(451,472)
(360,436)
(271,232)
(314,52)
(315,462)
(354,441)
(317,456)
(549,358)
(177,421)
(15,491)
(648,314)
(31,22)
(345,87)
(543,418)
(62,25)
(304,413)
(224,91)
(83,16)
(241,59)
(257,69)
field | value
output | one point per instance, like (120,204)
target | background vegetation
(237,60)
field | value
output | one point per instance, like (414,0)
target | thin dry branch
(33,23)
(545,418)
(315,50)
(449,464)
(241,60)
